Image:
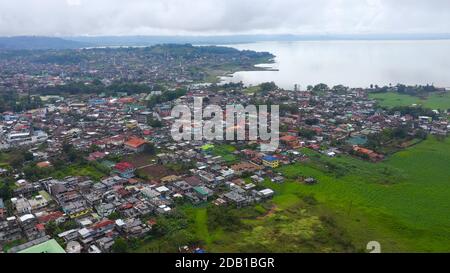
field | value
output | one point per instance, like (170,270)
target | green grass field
(226,152)
(75,170)
(4,160)
(252,89)
(200,227)
(434,101)
(410,214)
(402,202)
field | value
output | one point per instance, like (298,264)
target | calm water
(352,63)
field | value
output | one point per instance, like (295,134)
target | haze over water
(352,63)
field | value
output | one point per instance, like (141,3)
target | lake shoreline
(356,64)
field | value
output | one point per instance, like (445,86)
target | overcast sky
(211,17)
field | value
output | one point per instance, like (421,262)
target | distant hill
(36,43)
(241,39)
(196,40)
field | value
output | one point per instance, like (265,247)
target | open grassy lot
(156,171)
(410,214)
(4,160)
(140,160)
(394,99)
(277,226)
(226,152)
(434,101)
(200,227)
(80,170)
(252,89)
(4,157)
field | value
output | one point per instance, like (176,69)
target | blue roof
(2,206)
(270,158)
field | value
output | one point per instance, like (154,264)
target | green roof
(138,106)
(201,190)
(207,147)
(357,140)
(50,246)
(108,164)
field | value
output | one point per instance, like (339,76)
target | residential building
(40,245)
(10,230)
(271,161)
(203,192)
(135,144)
(2,209)
(124,169)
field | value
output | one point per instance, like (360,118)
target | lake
(352,63)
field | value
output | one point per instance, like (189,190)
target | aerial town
(86,168)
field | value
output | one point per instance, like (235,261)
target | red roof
(127,206)
(102,224)
(123,166)
(123,192)
(44,164)
(288,138)
(193,180)
(133,181)
(314,146)
(40,227)
(50,217)
(96,155)
(99,142)
(365,151)
(249,152)
(135,142)
(126,100)
(317,130)
(21,127)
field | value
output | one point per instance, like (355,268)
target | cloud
(73,2)
(177,17)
